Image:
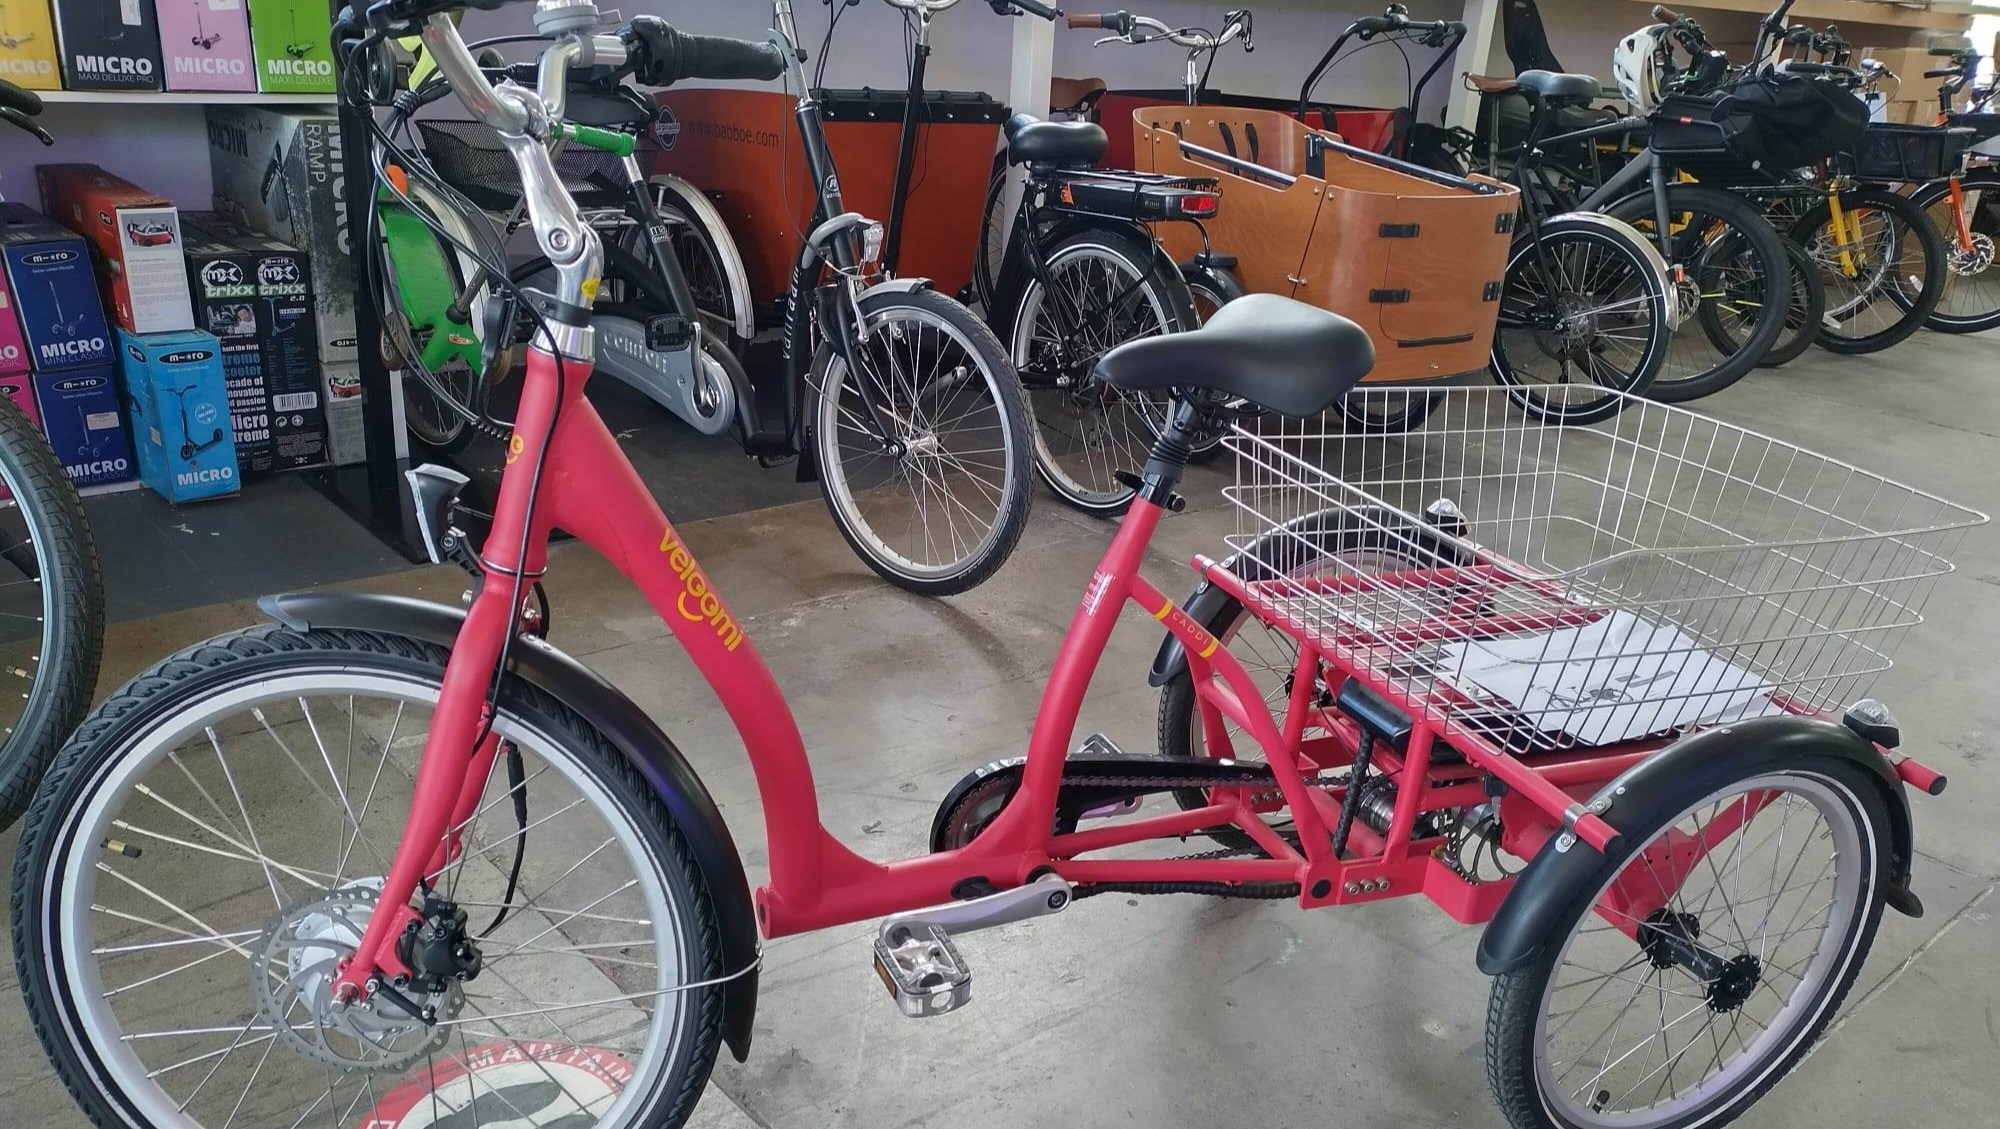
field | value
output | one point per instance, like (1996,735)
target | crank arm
(1045,895)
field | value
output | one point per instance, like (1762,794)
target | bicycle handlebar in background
(1031,7)
(1665,14)
(663,55)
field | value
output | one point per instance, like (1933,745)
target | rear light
(1200,207)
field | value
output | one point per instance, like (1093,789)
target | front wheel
(935,504)
(1883,265)
(1697,964)
(1971,299)
(213,840)
(1583,321)
(1106,286)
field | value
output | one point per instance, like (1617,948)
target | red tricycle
(1582,684)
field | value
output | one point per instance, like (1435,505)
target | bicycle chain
(1246,890)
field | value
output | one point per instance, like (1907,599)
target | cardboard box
(108,44)
(180,413)
(293,42)
(346,441)
(278,172)
(28,55)
(13,348)
(138,239)
(252,293)
(54,291)
(83,419)
(205,45)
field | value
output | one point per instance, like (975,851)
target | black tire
(1209,289)
(1329,535)
(1519,996)
(994,227)
(53,539)
(970,335)
(1386,411)
(1971,299)
(208,669)
(1808,308)
(1630,297)
(1160,303)
(1905,292)
(1736,272)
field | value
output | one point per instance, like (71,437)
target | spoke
(250,851)
(262,860)
(205,927)
(313,782)
(277,895)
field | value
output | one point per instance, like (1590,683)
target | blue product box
(55,291)
(180,413)
(81,418)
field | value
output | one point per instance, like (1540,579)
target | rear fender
(623,723)
(1657,789)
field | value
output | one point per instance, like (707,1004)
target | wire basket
(1544,588)
(1907,154)
(470,157)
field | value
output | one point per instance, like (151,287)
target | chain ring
(296,962)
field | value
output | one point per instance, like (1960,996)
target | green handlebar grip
(606,140)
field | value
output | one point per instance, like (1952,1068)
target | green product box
(291,39)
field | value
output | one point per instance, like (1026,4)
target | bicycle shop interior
(275,291)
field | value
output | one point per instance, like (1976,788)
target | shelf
(181,98)
(1842,12)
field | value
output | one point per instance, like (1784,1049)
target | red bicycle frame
(587,487)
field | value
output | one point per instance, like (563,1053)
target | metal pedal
(924,973)
(921,967)
(1098,745)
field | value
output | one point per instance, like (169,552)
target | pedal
(1098,745)
(921,967)
(924,973)
(668,333)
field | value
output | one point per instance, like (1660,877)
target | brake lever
(26,124)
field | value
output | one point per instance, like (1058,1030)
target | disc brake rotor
(1972,260)
(292,972)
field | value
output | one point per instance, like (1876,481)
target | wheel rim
(934,508)
(1972,278)
(1629,1044)
(581,933)
(1722,303)
(1087,432)
(1584,328)
(27,608)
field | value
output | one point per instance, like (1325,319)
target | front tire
(225,781)
(942,514)
(1971,299)
(1680,1052)
(1892,278)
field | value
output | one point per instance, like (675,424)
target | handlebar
(1665,14)
(1128,28)
(929,8)
(663,55)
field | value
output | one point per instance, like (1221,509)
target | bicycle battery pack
(1138,196)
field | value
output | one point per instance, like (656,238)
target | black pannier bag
(1787,121)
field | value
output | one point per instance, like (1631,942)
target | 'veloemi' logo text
(698,602)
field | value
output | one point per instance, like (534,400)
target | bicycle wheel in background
(1583,317)
(1731,277)
(1971,299)
(995,225)
(1884,279)
(701,260)
(941,508)
(51,609)
(1802,315)
(424,274)
(1112,287)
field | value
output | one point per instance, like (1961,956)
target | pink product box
(13,350)
(205,45)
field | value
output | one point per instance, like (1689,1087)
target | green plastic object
(604,140)
(428,284)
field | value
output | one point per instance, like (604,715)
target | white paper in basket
(1618,678)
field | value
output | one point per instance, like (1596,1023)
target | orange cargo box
(744,145)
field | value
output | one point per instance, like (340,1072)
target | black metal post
(892,244)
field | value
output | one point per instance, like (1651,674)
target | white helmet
(1636,63)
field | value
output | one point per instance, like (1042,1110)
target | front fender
(622,722)
(1659,788)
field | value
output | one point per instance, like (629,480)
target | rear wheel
(1210,289)
(212,842)
(1678,985)
(1583,318)
(940,506)
(1971,299)
(1107,286)
(1884,273)
(701,260)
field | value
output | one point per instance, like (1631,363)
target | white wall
(160,147)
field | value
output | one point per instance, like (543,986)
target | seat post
(1172,449)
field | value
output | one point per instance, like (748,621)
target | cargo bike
(1618,652)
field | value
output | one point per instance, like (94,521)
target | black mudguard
(1015,273)
(1659,788)
(622,722)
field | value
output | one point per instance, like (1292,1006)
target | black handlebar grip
(1947,73)
(21,101)
(1373,25)
(1943,52)
(719,58)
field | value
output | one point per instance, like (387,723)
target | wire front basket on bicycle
(1548,588)
(1907,154)
(469,157)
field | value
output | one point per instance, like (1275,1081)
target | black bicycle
(898,399)
(51,590)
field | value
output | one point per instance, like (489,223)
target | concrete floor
(1183,1012)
